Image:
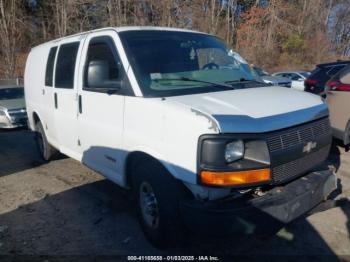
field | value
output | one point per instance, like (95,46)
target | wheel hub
(149,205)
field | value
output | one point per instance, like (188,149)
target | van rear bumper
(262,214)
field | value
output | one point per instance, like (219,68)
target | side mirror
(98,76)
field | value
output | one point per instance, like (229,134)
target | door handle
(80,104)
(55,98)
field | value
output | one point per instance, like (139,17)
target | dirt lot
(64,208)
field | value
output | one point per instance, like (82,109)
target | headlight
(228,152)
(233,160)
(2,112)
(234,151)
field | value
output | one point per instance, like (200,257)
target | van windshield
(168,63)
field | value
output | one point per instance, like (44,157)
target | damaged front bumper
(249,215)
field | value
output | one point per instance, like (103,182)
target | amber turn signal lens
(235,178)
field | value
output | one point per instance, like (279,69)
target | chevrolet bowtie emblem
(309,146)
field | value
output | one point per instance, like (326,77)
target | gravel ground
(64,208)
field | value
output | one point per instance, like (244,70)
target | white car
(297,77)
(180,120)
(270,79)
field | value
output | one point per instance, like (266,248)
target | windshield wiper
(245,81)
(187,79)
(241,81)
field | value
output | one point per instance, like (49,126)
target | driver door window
(103,66)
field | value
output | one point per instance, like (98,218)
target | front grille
(299,135)
(291,170)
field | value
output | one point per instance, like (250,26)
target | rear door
(48,97)
(66,97)
(102,90)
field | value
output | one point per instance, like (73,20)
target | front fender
(176,171)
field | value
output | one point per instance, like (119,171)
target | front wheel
(346,139)
(157,195)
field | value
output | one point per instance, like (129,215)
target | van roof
(122,29)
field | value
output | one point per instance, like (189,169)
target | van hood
(255,110)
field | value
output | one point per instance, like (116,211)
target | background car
(12,107)
(338,97)
(318,78)
(297,78)
(271,80)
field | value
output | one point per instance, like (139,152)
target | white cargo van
(181,121)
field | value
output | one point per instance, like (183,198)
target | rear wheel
(47,152)
(157,195)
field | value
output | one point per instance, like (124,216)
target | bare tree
(11,31)
(341,28)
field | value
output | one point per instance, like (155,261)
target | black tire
(167,229)
(346,139)
(46,151)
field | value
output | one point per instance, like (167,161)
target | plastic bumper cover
(278,206)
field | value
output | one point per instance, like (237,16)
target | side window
(103,67)
(49,66)
(335,69)
(65,67)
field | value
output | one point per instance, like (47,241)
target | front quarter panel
(167,132)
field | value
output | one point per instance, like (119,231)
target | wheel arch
(34,118)
(138,155)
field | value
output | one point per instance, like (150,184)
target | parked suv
(180,120)
(12,107)
(316,82)
(338,97)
